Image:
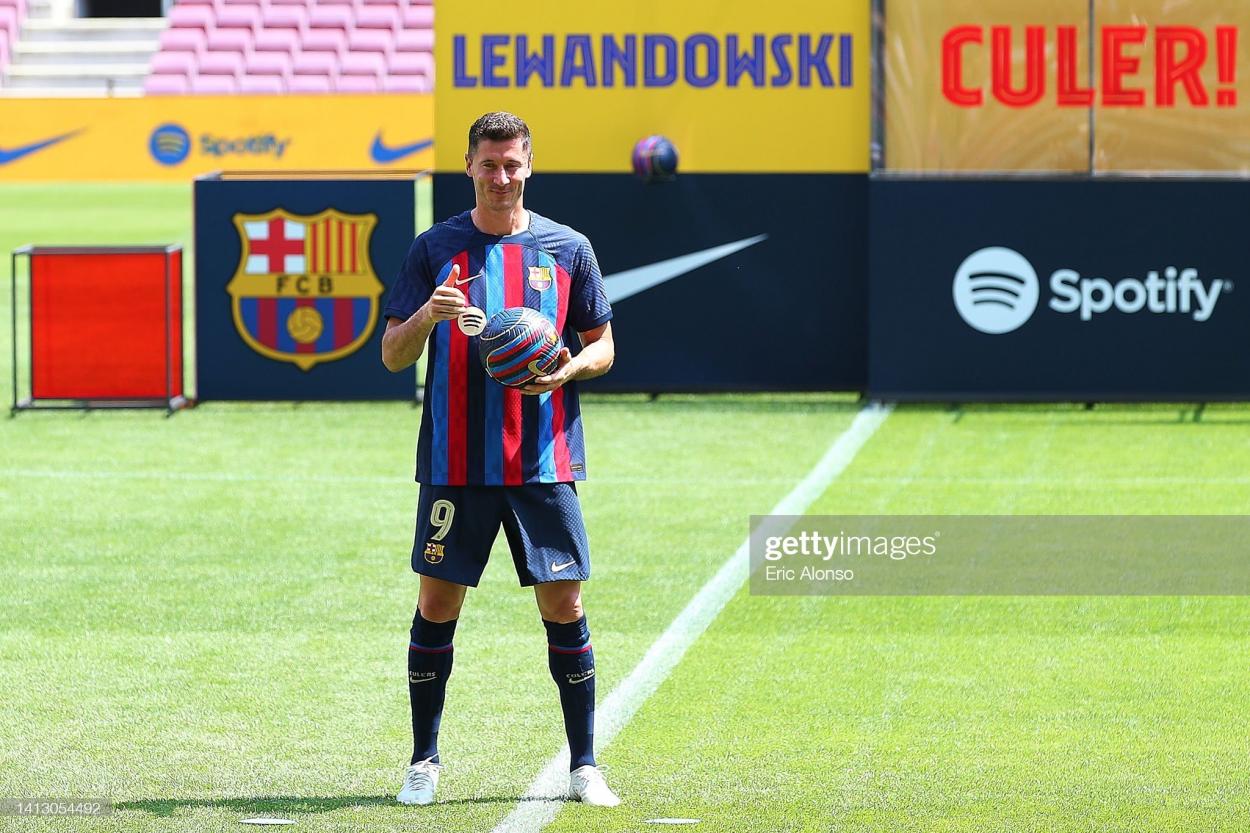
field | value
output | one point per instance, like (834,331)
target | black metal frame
(171,402)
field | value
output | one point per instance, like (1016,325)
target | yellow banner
(738,86)
(179,138)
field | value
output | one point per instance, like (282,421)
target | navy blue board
(1059,290)
(786,309)
(291,276)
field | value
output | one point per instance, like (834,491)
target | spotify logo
(995,290)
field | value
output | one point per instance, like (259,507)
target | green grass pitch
(204,617)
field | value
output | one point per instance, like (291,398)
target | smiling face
(499,170)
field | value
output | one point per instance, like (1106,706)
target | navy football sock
(572,664)
(429,666)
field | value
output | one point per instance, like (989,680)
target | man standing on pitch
(488,455)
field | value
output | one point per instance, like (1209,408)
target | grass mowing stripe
(542,801)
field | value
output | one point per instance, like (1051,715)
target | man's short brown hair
(498,127)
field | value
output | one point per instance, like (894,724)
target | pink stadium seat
(9,20)
(238,17)
(166,85)
(310,84)
(371,40)
(221,63)
(276,40)
(191,17)
(256,3)
(422,2)
(406,84)
(392,3)
(315,63)
(330,17)
(173,63)
(229,40)
(419,17)
(359,84)
(268,63)
(187,3)
(362,63)
(411,63)
(288,2)
(377,17)
(183,40)
(262,84)
(213,84)
(414,40)
(324,40)
(284,17)
(334,2)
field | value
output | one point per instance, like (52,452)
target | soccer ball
(518,345)
(655,159)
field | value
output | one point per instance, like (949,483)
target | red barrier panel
(106,324)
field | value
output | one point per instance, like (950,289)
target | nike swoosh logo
(461,281)
(7,156)
(422,680)
(622,285)
(555,568)
(383,154)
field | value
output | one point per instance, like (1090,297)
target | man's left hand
(565,370)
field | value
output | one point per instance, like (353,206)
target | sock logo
(580,676)
(422,676)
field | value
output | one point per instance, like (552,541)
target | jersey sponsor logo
(556,568)
(305,290)
(819,59)
(434,553)
(540,278)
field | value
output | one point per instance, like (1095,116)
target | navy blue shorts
(457,525)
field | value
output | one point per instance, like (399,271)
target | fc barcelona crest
(305,291)
(540,278)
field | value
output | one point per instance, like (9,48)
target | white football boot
(587,785)
(420,781)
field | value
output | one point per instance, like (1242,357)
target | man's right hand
(447,302)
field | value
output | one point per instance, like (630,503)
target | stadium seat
(406,84)
(359,84)
(362,63)
(330,17)
(229,40)
(173,63)
(238,17)
(315,63)
(188,3)
(191,17)
(268,63)
(221,63)
(166,85)
(411,63)
(335,2)
(183,40)
(310,84)
(9,21)
(377,17)
(285,41)
(419,17)
(288,2)
(266,84)
(324,40)
(213,84)
(371,40)
(284,17)
(414,40)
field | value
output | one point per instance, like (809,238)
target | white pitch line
(544,797)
